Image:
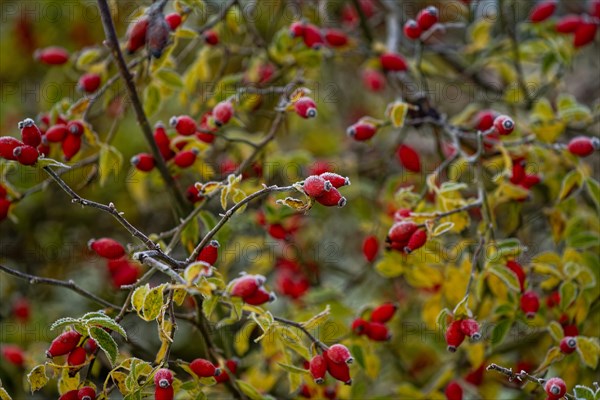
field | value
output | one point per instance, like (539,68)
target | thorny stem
(520,376)
(113,42)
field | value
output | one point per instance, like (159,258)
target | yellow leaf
(153,303)
(589,350)
(241,342)
(423,276)
(462,309)
(476,354)
(553,355)
(179,296)
(480,35)
(409,392)
(391,265)
(318,319)
(372,364)
(431,310)
(37,378)
(397,113)
(137,300)
(4,394)
(79,107)
(66,382)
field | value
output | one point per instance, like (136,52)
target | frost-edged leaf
(318,319)
(87,57)
(4,394)
(169,78)
(208,305)
(67,382)
(241,343)
(107,323)
(583,239)
(37,378)
(62,322)
(442,318)
(137,300)
(568,294)
(294,203)
(105,342)
(94,314)
(290,339)
(397,113)
(49,162)
(583,393)
(442,228)
(593,189)
(571,181)
(462,309)
(588,350)
(506,275)
(153,302)
(555,331)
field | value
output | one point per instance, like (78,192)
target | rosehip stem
(520,376)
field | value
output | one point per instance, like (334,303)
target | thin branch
(364,24)
(113,42)
(70,284)
(111,209)
(474,264)
(148,260)
(229,214)
(520,376)
(304,330)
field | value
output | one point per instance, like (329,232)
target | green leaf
(556,331)
(290,339)
(49,162)
(358,354)
(568,294)
(249,390)
(318,319)
(169,78)
(153,302)
(583,240)
(506,275)
(37,378)
(442,319)
(593,189)
(107,323)
(585,278)
(208,305)
(583,393)
(569,182)
(151,100)
(105,342)
(110,162)
(62,322)
(500,331)
(293,369)
(94,314)
(86,58)
(186,33)
(588,350)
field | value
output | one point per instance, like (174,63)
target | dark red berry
(26,155)
(56,133)
(568,23)
(247,285)
(222,112)
(63,344)
(76,127)
(370,248)
(89,82)
(542,11)
(412,30)
(453,391)
(211,37)
(136,36)
(13,354)
(336,180)
(70,395)
(261,296)
(185,158)
(409,158)
(359,326)
(361,131)
(377,331)
(184,125)
(470,328)
(568,344)
(583,146)
(30,133)
(339,354)
(340,371)
(484,120)
(305,107)
(204,368)
(8,144)
(402,231)
(311,35)
(107,248)
(518,270)
(86,393)
(504,125)
(427,17)
(297,29)
(555,388)
(209,253)
(315,186)
(143,162)
(21,309)
(332,198)
(76,357)
(383,313)
(393,62)
(71,146)
(174,20)
(454,336)
(335,37)
(52,55)
(162,141)
(530,303)
(318,368)
(373,80)
(416,241)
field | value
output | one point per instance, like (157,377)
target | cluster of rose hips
(405,235)
(122,271)
(334,360)
(24,151)
(520,177)
(458,330)
(187,129)
(328,392)
(582,27)
(152,31)
(375,328)
(250,288)
(290,279)
(314,37)
(75,347)
(324,188)
(281,229)
(529,301)
(426,18)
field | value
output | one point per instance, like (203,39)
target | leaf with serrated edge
(153,303)
(37,378)
(318,319)
(137,300)
(588,350)
(583,393)
(506,275)
(62,322)
(107,323)
(292,369)
(555,331)
(105,342)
